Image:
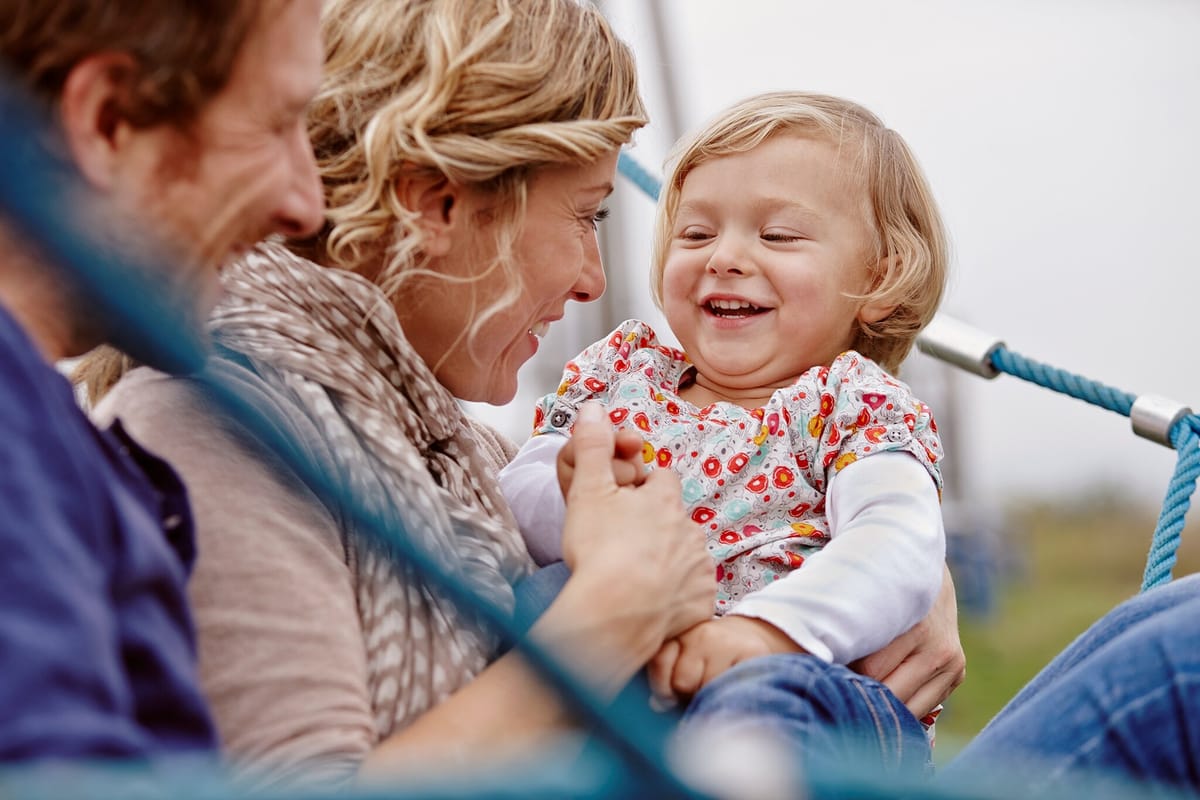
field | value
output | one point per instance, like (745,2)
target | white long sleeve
(880,572)
(530,485)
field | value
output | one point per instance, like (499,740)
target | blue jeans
(1123,699)
(827,715)
(833,719)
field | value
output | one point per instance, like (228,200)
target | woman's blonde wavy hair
(482,93)
(911,257)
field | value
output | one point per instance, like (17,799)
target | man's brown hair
(183,51)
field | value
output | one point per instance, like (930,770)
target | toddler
(798,252)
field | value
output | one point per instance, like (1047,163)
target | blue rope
(1164,545)
(1076,386)
(639,175)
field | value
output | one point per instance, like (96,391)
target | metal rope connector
(1154,417)
(958,343)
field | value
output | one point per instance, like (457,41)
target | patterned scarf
(329,341)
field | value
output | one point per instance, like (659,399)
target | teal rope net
(631,757)
(1185,438)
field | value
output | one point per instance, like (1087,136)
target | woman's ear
(438,205)
(92,112)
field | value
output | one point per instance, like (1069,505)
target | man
(186,116)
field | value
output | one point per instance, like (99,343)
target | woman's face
(555,258)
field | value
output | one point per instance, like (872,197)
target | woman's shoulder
(147,399)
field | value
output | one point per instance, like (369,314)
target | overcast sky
(1061,139)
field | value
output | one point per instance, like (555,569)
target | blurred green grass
(1073,562)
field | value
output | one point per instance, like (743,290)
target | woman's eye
(598,217)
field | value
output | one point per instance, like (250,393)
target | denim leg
(831,717)
(1128,614)
(1123,699)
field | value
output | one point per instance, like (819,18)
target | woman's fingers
(593,438)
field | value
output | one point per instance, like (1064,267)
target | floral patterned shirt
(755,480)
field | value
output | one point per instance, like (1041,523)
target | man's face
(244,168)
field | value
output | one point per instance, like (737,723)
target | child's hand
(628,466)
(686,663)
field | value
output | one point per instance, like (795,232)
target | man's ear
(439,206)
(92,109)
(873,311)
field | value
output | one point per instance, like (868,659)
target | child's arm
(684,664)
(532,493)
(879,574)
(535,482)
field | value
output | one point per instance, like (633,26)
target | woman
(466,148)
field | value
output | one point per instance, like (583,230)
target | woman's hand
(628,466)
(923,666)
(636,540)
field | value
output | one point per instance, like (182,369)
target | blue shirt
(97,647)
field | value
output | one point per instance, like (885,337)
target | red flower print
(712,466)
(595,384)
(826,405)
(663,457)
(702,515)
(737,462)
(783,477)
(642,421)
(729,537)
(800,510)
(835,435)
(618,415)
(757,484)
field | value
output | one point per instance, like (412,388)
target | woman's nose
(591,282)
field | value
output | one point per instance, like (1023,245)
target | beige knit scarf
(329,341)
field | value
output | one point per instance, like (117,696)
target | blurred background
(1060,138)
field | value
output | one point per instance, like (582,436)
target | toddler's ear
(873,311)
